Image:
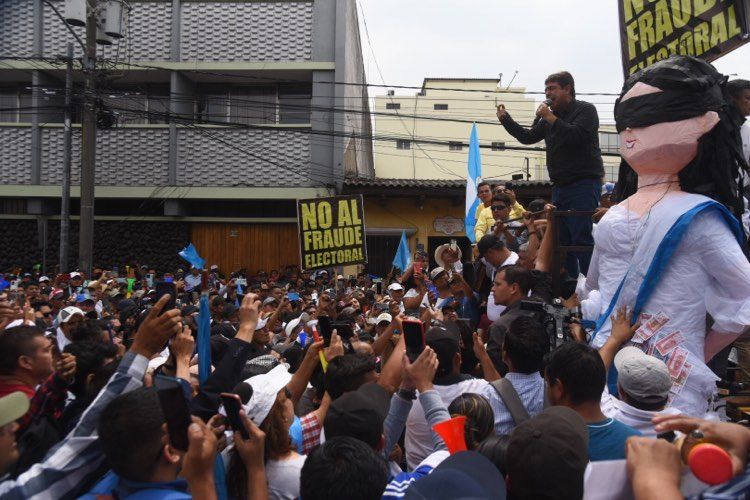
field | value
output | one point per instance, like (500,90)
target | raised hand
(157,329)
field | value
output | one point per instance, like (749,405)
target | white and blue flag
(473,177)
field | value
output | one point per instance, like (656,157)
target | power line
(290,80)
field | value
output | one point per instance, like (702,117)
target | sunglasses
(46,315)
(499,207)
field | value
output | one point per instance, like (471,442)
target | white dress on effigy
(707,273)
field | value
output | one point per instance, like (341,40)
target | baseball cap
(289,328)
(75,274)
(548,453)
(487,242)
(57,293)
(270,300)
(44,278)
(608,188)
(643,377)
(384,317)
(214,267)
(359,414)
(466,474)
(436,273)
(65,314)
(395,286)
(266,388)
(12,407)
(441,333)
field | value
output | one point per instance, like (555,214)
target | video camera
(556,318)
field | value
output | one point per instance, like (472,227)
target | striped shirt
(530,388)
(71,463)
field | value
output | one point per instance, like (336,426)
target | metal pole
(67,144)
(528,170)
(88,149)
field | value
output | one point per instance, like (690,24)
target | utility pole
(528,170)
(67,144)
(88,147)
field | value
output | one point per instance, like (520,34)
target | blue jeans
(583,194)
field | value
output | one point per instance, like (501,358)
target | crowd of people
(453,381)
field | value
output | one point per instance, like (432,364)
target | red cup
(710,463)
(452,432)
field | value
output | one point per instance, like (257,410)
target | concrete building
(442,114)
(171,170)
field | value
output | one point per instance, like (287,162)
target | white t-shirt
(283,477)
(62,340)
(418,438)
(413,292)
(628,415)
(495,310)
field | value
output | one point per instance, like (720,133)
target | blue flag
(204,343)
(473,176)
(190,254)
(403,256)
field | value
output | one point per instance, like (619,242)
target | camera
(555,319)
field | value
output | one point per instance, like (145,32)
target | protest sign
(331,232)
(652,30)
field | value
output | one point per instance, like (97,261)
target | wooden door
(249,246)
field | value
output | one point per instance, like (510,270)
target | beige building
(440,118)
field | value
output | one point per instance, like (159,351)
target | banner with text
(652,30)
(331,232)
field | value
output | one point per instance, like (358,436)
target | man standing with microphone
(570,129)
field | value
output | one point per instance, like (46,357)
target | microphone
(537,119)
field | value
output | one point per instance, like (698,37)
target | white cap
(266,388)
(289,328)
(19,322)
(262,322)
(641,376)
(395,286)
(65,314)
(44,278)
(384,317)
(155,363)
(75,274)
(436,272)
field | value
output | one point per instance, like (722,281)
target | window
(8,105)
(609,142)
(139,105)
(403,144)
(498,146)
(214,107)
(249,105)
(455,146)
(393,105)
(25,106)
(294,103)
(440,107)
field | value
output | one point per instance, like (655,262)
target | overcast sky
(414,39)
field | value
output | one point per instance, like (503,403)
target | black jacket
(572,142)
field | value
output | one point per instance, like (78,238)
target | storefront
(430,211)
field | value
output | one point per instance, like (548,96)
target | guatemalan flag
(473,176)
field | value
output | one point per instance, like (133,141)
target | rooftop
(442,187)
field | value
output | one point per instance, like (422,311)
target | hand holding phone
(164,288)
(232,406)
(413,337)
(175,408)
(326,330)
